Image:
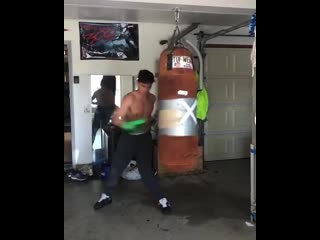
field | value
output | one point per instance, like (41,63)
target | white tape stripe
(189,112)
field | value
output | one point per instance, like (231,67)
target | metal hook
(176,15)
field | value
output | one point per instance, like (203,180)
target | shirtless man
(106,106)
(135,143)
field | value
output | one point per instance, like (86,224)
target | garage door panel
(229,86)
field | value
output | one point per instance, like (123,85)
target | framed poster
(112,41)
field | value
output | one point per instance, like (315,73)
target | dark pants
(140,147)
(101,118)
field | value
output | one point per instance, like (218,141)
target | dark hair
(108,81)
(145,76)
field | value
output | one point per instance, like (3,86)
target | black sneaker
(78,176)
(165,206)
(71,172)
(103,201)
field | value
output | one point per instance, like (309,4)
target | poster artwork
(112,41)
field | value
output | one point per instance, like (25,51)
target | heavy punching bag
(178,130)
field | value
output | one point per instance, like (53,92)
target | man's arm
(119,116)
(153,116)
(93,97)
(154,100)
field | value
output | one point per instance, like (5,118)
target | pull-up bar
(222,32)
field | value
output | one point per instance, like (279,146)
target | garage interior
(217,201)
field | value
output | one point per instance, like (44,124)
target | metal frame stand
(253,182)
(253,152)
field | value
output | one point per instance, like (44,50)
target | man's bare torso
(141,107)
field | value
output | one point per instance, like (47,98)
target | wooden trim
(227,46)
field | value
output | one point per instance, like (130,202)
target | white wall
(149,36)
(150,49)
(211,3)
(81,101)
(208,3)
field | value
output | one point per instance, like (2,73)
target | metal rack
(253,153)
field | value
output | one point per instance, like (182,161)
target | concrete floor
(214,205)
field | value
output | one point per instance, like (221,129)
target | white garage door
(229,85)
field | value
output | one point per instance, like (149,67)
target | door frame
(68,43)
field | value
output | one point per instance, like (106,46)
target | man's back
(105,97)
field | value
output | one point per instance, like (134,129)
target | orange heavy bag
(178,130)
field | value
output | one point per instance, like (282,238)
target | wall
(211,3)
(250,4)
(150,49)
(81,124)
(149,36)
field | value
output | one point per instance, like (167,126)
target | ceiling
(154,13)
